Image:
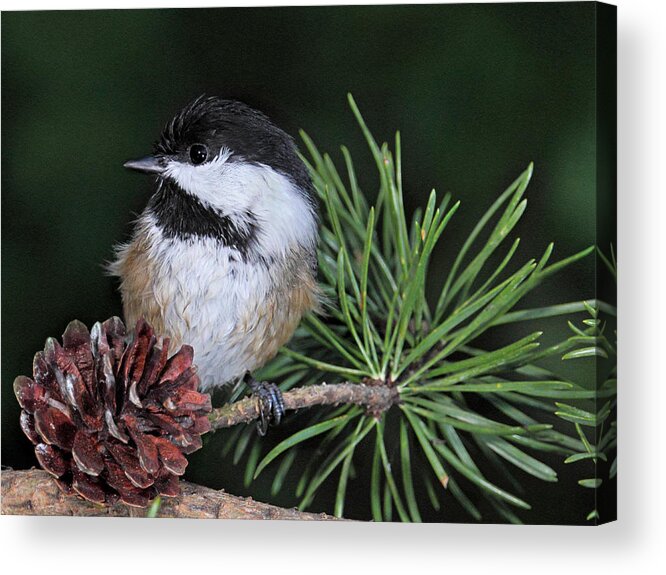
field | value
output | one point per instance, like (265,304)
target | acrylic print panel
(364,346)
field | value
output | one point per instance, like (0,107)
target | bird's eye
(198,154)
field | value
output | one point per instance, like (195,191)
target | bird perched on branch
(223,257)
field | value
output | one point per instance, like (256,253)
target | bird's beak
(148,165)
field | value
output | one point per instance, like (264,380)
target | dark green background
(478,91)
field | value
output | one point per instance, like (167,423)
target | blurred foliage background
(478,91)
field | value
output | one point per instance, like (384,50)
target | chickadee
(223,257)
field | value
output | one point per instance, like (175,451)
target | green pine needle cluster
(600,441)
(465,414)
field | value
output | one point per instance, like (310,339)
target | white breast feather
(204,288)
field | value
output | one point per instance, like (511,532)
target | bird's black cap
(247,133)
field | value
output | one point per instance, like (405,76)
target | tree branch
(376,398)
(34,492)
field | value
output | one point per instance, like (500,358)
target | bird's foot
(271,404)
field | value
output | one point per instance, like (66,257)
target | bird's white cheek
(283,216)
(208,181)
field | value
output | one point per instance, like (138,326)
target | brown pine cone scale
(111,415)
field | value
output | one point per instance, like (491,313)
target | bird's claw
(271,404)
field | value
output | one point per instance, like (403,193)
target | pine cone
(111,418)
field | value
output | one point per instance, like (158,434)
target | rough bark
(375,398)
(34,492)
